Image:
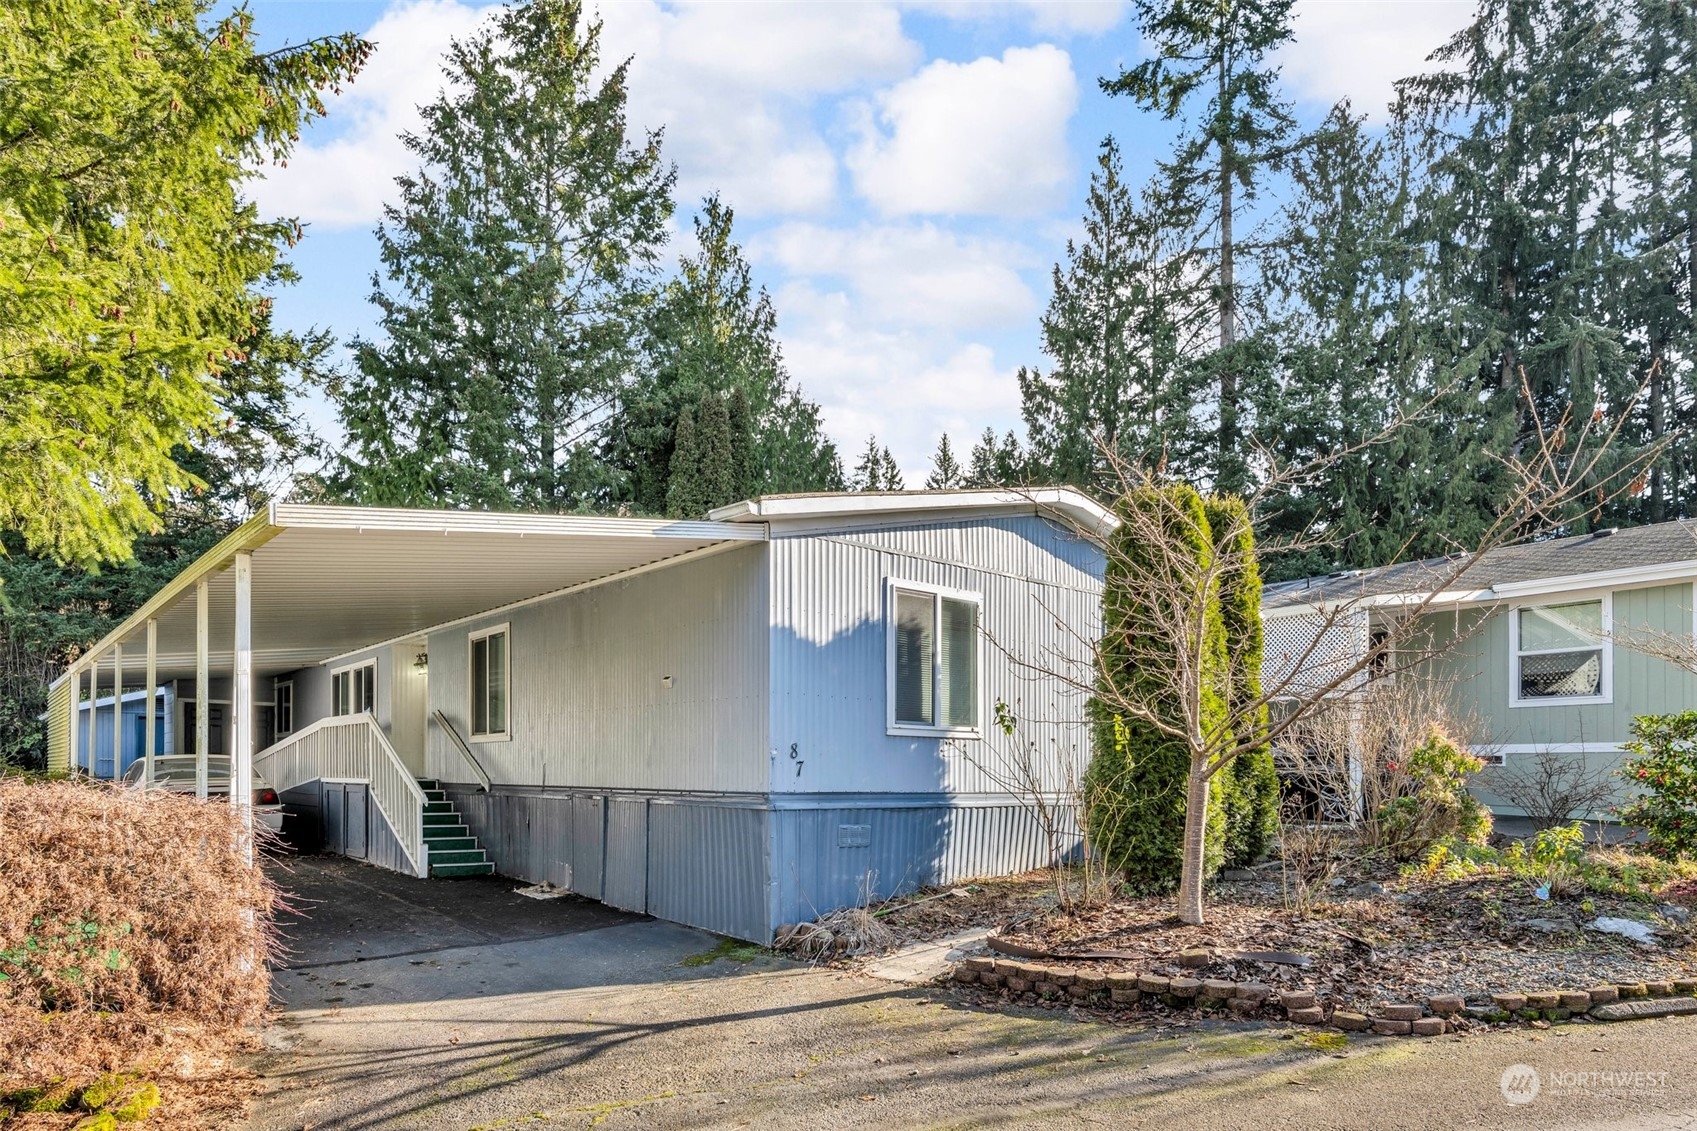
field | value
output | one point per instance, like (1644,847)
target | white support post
(241,703)
(150,737)
(117,712)
(74,691)
(93,697)
(202,687)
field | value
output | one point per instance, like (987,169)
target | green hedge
(1135,786)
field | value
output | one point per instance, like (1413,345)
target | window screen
(489,684)
(935,657)
(915,656)
(1561,651)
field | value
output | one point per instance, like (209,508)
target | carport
(300,584)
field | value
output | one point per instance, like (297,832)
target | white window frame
(892,586)
(277,705)
(472,637)
(371,708)
(1606,681)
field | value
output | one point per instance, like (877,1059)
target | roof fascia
(1601,579)
(250,535)
(835,512)
(312,517)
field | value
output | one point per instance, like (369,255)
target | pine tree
(1215,52)
(877,470)
(1114,332)
(997,463)
(712,455)
(132,270)
(946,473)
(712,330)
(517,263)
(1519,128)
(1356,349)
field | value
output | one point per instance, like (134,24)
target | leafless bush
(1392,760)
(1309,854)
(1552,788)
(1053,792)
(123,917)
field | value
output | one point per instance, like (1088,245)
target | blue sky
(904,175)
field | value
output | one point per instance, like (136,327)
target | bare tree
(1161,674)
(1552,788)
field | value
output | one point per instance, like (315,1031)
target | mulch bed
(1394,939)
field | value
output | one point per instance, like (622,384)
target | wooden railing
(353,748)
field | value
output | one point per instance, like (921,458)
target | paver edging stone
(1437,1014)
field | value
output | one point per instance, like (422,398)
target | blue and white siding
(858,811)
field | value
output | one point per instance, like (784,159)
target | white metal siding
(828,655)
(589,708)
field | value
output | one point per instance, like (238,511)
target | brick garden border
(1033,982)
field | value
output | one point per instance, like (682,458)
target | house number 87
(795,756)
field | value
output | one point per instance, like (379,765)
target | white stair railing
(353,748)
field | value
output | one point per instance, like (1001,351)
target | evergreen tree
(712,330)
(1651,205)
(997,463)
(1135,785)
(946,472)
(1115,331)
(877,470)
(712,455)
(1248,787)
(52,612)
(1519,129)
(518,264)
(132,271)
(1215,52)
(1355,346)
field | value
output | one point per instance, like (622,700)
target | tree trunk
(1195,845)
(1228,329)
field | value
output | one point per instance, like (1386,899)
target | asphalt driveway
(576,1016)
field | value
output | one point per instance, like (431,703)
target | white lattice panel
(1309,650)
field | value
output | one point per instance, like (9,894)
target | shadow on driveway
(339,910)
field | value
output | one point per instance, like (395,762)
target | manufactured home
(1547,646)
(733,723)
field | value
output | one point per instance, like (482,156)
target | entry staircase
(449,846)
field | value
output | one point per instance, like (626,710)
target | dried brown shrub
(128,924)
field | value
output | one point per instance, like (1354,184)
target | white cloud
(909,275)
(904,385)
(1348,49)
(1055,17)
(985,137)
(342,182)
(734,85)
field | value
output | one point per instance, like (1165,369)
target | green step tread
(451,871)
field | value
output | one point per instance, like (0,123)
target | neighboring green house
(1553,645)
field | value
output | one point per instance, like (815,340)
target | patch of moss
(1325,1042)
(102,1092)
(139,1105)
(45,1099)
(1239,1045)
(99,1121)
(733,949)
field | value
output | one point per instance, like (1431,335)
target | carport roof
(328,580)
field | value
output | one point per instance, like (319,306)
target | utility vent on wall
(854,836)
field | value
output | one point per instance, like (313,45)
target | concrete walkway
(642,1024)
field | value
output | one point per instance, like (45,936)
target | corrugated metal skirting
(700,862)
(837,857)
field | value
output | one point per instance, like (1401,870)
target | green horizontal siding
(1480,670)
